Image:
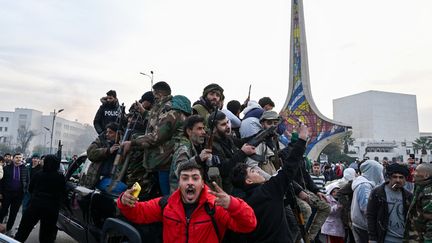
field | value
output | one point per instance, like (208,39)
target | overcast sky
(67,54)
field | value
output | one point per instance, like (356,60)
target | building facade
(70,133)
(384,124)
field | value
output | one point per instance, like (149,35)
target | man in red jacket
(186,216)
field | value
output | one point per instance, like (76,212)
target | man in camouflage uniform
(101,153)
(135,171)
(418,226)
(163,130)
(211,98)
(189,148)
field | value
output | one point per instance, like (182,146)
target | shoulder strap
(211,212)
(163,202)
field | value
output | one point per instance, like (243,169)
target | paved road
(62,237)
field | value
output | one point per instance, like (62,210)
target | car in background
(90,215)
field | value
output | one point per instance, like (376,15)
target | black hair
(6,154)
(51,163)
(265,101)
(396,168)
(113,126)
(190,165)
(219,117)
(234,106)
(1,158)
(16,154)
(112,93)
(147,96)
(238,175)
(190,122)
(162,86)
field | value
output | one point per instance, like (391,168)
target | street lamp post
(52,128)
(151,78)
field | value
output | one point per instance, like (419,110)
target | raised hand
(222,198)
(128,199)
(303,132)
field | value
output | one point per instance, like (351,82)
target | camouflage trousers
(323,210)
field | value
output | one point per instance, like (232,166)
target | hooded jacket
(333,225)
(250,124)
(362,187)
(239,217)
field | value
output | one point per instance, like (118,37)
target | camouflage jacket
(97,153)
(165,126)
(184,151)
(419,219)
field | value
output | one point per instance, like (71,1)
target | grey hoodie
(362,186)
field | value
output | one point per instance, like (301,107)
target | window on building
(7,119)
(22,116)
(1,118)
(5,129)
(1,129)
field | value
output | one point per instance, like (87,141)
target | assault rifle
(213,171)
(298,213)
(262,136)
(209,143)
(59,150)
(118,158)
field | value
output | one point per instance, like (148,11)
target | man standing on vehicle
(108,112)
(193,213)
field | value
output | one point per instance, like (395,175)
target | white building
(383,124)
(32,120)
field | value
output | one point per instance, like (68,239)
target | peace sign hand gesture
(222,198)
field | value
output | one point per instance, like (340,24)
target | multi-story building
(73,135)
(384,124)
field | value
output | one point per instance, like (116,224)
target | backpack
(163,202)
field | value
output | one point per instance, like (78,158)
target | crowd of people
(210,176)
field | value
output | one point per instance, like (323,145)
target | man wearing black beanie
(212,97)
(388,206)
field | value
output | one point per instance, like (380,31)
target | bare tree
(23,138)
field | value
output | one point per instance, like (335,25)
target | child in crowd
(333,226)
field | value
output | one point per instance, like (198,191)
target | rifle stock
(209,144)
(298,214)
(262,136)
(119,156)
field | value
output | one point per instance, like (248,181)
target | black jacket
(47,189)
(228,155)
(302,177)
(5,183)
(106,113)
(267,200)
(377,212)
